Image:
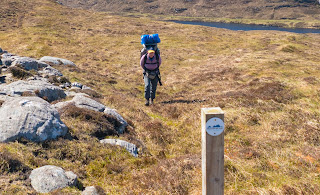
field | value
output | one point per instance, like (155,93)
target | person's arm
(142,61)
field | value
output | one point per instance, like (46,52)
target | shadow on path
(183,101)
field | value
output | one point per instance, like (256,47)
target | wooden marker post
(212,120)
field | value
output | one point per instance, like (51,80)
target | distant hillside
(258,9)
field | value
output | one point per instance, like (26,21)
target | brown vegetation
(265,81)
(101,124)
(9,164)
(172,176)
(19,73)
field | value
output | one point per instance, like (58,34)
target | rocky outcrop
(29,117)
(29,63)
(40,88)
(82,100)
(131,148)
(48,178)
(56,61)
(76,84)
(8,58)
(50,71)
(113,112)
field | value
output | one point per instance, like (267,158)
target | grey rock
(29,117)
(82,101)
(49,178)
(29,63)
(8,58)
(71,93)
(8,55)
(90,190)
(56,61)
(4,97)
(65,86)
(7,61)
(74,88)
(42,88)
(76,84)
(113,112)
(50,71)
(73,178)
(39,78)
(131,148)
(61,105)
(84,87)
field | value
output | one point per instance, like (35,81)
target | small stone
(131,148)
(49,178)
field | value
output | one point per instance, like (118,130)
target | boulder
(8,58)
(85,87)
(4,97)
(40,88)
(72,93)
(83,101)
(7,55)
(50,71)
(77,85)
(90,190)
(29,63)
(56,61)
(114,113)
(49,178)
(131,148)
(61,105)
(39,78)
(65,86)
(29,117)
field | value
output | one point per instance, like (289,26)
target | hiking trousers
(150,87)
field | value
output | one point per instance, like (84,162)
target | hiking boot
(147,103)
(151,101)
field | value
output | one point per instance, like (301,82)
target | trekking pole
(159,78)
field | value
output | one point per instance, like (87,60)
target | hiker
(151,74)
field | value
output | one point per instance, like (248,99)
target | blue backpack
(150,42)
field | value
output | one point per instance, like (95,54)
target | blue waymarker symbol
(214,126)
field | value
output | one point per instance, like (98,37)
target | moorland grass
(266,82)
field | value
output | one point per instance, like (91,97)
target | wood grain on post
(212,152)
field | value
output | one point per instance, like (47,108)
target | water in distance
(248,27)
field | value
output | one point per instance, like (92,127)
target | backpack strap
(145,60)
(157,58)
